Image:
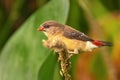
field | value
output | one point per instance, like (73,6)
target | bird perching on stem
(74,40)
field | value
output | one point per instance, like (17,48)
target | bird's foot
(75,51)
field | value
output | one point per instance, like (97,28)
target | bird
(74,40)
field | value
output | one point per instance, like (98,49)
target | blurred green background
(23,57)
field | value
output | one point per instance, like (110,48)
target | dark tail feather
(102,43)
(106,43)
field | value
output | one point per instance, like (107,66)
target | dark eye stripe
(46,26)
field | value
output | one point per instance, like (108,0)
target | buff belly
(73,44)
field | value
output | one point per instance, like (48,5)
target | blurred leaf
(49,66)
(3,14)
(7,27)
(93,7)
(116,55)
(41,2)
(82,71)
(111,5)
(110,23)
(24,56)
(76,17)
(98,67)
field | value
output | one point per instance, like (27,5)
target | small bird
(74,40)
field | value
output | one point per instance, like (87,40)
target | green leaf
(24,57)
(48,67)
(9,20)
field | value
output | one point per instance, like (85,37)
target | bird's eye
(46,26)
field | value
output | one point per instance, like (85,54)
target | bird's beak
(41,28)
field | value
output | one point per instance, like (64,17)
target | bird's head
(51,27)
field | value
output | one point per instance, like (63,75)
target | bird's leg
(71,53)
(75,51)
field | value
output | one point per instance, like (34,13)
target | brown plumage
(74,40)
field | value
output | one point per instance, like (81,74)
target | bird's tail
(102,43)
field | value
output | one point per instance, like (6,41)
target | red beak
(40,28)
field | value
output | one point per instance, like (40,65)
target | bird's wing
(74,34)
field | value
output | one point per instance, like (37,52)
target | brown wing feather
(74,34)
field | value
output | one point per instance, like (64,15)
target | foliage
(23,57)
